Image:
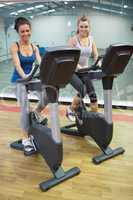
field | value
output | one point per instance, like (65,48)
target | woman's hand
(78,67)
(99,64)
(25,77)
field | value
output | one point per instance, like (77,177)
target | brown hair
(21,21)
(83,19)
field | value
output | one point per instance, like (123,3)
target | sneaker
(94,107)
(28,147)
(70,114)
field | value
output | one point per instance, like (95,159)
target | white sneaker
(28,147)
(26,142)
(70,114)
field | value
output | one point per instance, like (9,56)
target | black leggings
(83,84)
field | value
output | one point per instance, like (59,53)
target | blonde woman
(85,42)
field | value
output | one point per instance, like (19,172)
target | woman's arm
(72,41)
(16,61)
(94,51)
(38,57)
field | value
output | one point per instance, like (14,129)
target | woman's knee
(22,94)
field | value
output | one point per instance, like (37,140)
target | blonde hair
(82,19)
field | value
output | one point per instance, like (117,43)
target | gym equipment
(56,69)
(97,125)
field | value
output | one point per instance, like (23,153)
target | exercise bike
(56,69)
(98,125)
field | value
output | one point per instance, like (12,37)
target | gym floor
(20,175)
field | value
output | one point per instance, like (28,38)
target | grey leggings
(22,98)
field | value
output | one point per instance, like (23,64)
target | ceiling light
(39,6)
(125,6)
(52,10)
(21,11)
(65,2)
(13,13)
(43,13)
(9,3)
(107,10)
(2,5)
(46,12)
(30,8)
(73,7)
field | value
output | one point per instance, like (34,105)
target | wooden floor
(20,175)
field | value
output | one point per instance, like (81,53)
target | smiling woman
(85,42)
(24,54)
(22,48)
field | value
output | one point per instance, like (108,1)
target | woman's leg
(43,100)
(79,86)
(91,92)
(22,97)
(45,96)
(77,83)
(42,103)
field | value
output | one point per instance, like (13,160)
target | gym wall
(2,40)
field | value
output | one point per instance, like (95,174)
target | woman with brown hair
(85,42)
(24,54)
